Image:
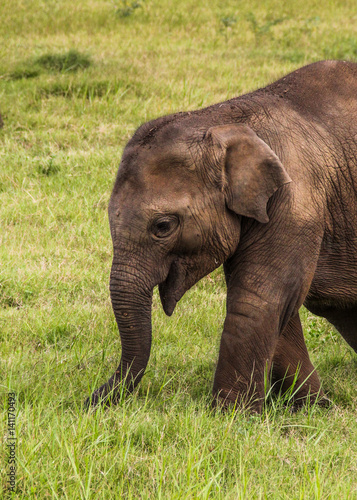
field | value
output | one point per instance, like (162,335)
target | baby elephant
(266,184)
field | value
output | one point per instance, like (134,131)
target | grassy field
(76,79)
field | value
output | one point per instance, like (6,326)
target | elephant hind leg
(344,320)
(291,365)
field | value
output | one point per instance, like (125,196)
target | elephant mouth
(183,274)
(173,287)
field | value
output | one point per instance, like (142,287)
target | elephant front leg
(291,365)
(267,282)
(247,347)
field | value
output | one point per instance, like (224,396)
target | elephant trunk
(131,295)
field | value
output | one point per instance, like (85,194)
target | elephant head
(175,215)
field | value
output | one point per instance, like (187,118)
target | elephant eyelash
(164,226)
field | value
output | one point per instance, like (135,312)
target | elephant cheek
(191,242)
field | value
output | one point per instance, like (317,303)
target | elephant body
(265,183)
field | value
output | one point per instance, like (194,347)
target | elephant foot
(250,401)
(292,374)
(301,389)
(312,400)
(253,404)
(297,388)
(299,397)
(225,405)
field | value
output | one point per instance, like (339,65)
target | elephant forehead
(158,179)
(139,161)
(167,201)
(159,193)
(172,157)
(169,195)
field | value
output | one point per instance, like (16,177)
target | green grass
(76,79)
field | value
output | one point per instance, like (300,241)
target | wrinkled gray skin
(265,183)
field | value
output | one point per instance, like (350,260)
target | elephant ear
(251,171)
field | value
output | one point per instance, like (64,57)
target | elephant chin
(168,303)
(183,274)
(173,288)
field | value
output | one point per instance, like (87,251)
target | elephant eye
(165,225)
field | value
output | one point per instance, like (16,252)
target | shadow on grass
(70,61)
